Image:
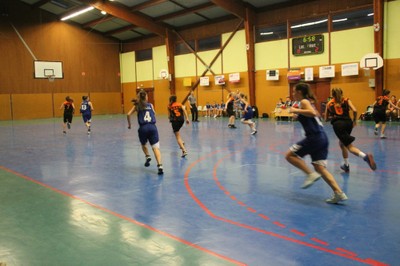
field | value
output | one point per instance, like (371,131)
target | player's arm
(62,106)
(73,107)
(128,116)
(353,108)
(91,106)
(306,109)
(185,114)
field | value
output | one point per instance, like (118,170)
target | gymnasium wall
(90,65)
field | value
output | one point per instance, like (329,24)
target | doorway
(321,90)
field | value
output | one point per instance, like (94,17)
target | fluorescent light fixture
(267,33)
(370,14)
(309,24)
(339,20)
(103,12)
(77,13)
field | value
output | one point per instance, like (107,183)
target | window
(317,25)
(354,19)
(209,43)
(143,55)
(264,34)
(181,48)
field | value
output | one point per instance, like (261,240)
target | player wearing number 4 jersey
(147,128)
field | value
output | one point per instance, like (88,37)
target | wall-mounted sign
(350,70)
(327,72)
(234,77)
(204,81)
(308,45)
(220,80)
(294,74)
(309,74)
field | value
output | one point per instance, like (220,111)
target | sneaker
(147,163)
(369,158)
(383,136)
(65,132)
(254,132)
(184,154)
(69,125)
(311,178)
(376,131)
(345,167)
(336,198)
(233,126)
(160,169)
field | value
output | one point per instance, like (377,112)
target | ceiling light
(103,12)
(267,33)
(309,24)
(339,20)
(370,14)
(77,13)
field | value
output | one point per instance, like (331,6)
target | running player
(315,143)
(86,111)
(69,109)
(229,109)
(177,116)
(338,112)
(379,113)
(248,113)
(147,128)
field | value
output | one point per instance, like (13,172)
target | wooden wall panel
(5,107)
(59,98)
(106,102)
(28,106)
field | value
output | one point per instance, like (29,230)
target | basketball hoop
(50,77)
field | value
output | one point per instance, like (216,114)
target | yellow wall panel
(311,60)
(207,57)
(5,107)
(128,67)
(234,54)
(185,65)
(144,70)
(271,55)
(160,60)
(32,106)
(392,30)
(351,45)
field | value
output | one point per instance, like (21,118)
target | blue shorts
(315,145)
(248,115)
(148,132)
(87,117)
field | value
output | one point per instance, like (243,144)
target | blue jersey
(146,116)
(85,108)
(311,125)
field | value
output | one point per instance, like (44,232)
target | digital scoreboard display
(308,45)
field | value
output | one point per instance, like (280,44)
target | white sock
(361,154)
(346,161)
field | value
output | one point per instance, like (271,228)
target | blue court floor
(234,200)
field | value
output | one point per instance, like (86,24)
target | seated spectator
(288,102)
(392,112)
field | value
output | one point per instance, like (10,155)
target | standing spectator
(338,112)
(147,128)
(379,113)
(86,111)
(69,109)
(315,143)
(193,107)
(177,117)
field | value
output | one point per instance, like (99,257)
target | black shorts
(68,117)
(379,116)
(342,129)
(176,125)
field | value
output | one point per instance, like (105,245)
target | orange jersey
(176,112)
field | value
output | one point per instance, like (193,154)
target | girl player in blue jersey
(247,113)
(315,143)
(147,128)
(86,111)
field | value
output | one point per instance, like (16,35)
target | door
(321,91)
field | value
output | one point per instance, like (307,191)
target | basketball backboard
(44,69)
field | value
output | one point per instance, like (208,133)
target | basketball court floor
(234,200)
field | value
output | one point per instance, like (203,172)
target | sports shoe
(160,169)
(383,136)
(184,154)
(311,178)
(147,163)
(65,132)
(337,197)
(69,125)
(345,167)
(376,131)
(369,158)
(254,132)
(233,126)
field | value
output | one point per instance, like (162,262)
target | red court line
(123,217)
(212,215)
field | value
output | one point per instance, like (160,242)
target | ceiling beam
(232,7)
(40,3)
(124,14)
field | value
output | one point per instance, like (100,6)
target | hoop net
(50,77)
(367,72)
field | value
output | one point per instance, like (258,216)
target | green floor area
(40,226)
